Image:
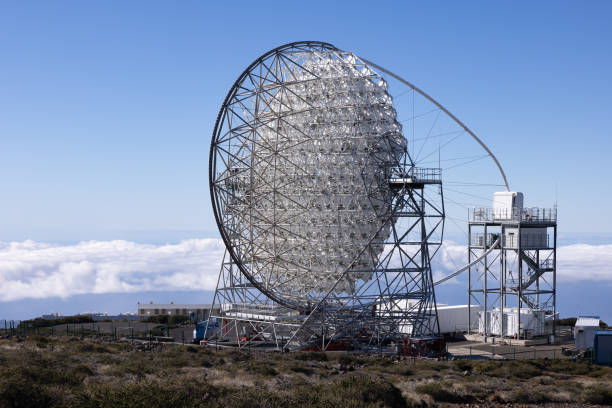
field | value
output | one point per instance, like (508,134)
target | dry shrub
(135,365)
(147,394)
(354,391)
(93,348)
(440,394)
(261,368)
(462,365)
(530,396)
(509,369)
(302,370)
(310,356)
(598,394)
(19,392)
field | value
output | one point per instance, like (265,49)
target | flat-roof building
(171,309)
(584,331)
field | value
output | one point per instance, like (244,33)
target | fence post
(183,331)
(534,354)
(470,352)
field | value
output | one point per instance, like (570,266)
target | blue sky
(106,108)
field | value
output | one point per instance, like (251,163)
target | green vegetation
(68,372)
(172,321)
(567,321)
(39,322)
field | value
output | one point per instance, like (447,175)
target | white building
(584,331)
(157,309)
(452,318)
(532,322)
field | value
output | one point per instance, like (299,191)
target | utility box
(584,332)
(531,238)
(603,347)
(507,205)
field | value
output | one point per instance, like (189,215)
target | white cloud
(438,274)
(31,269)
(580,262)
(38,270)
(451,256)
(584,262)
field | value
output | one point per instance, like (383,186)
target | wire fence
(139,332)
(479,352)
(132,331)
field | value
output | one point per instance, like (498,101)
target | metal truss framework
(398,302)
(329,227)
(517,272)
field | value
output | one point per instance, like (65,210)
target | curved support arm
(474,262)
(443,109)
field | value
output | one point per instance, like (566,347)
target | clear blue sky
(106,107)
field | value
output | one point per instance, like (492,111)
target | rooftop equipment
(506,204)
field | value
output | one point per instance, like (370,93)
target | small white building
(452,318)
(584,331)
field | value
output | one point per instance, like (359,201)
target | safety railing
(527,215)
(416,174)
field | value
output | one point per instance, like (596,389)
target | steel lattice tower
(517,268)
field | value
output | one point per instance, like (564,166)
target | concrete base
(507,341)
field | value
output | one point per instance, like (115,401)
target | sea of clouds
(32,269)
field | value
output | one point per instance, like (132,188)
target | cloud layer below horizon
(32,269)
